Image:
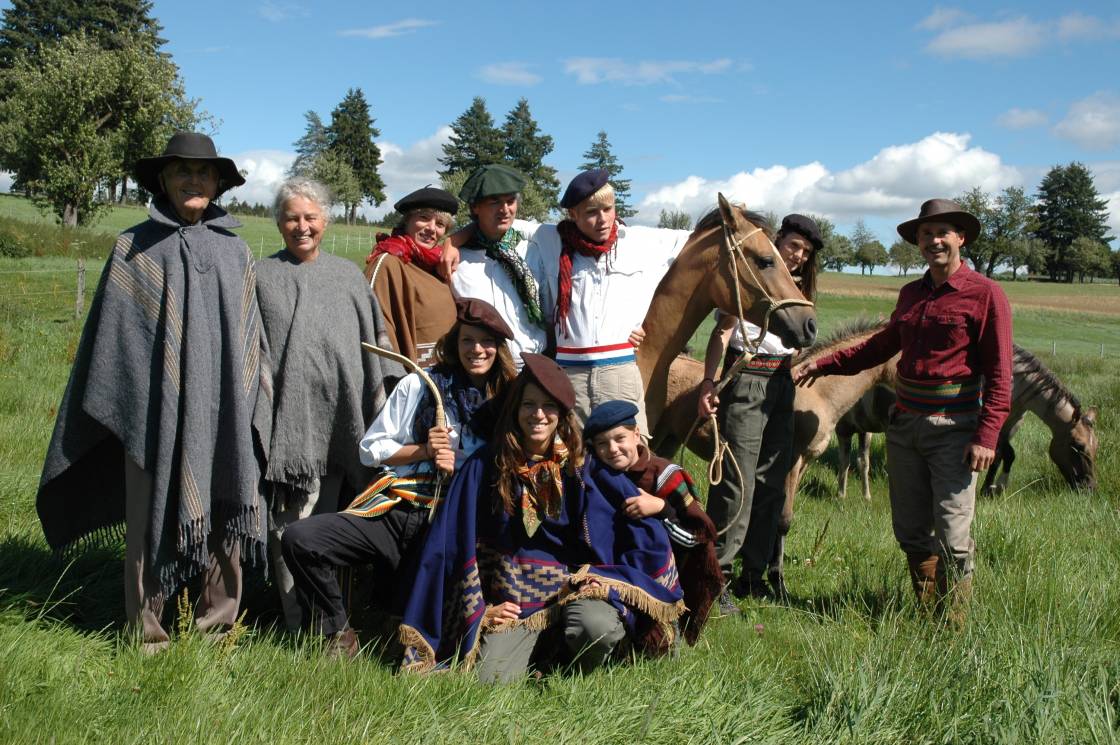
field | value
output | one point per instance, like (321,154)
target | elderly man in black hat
(953,328)
(154,430)
(755,416)
(598,278)
(492,264)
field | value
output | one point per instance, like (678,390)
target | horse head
(753,280)
(1074,451)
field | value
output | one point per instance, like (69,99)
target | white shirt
(486,279)
(393,428)
(771,343)
(610,294)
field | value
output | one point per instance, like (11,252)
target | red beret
(551,378)
(475,312)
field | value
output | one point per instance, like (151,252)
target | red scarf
(406,249)
(571,241)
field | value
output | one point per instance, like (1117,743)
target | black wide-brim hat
(429,197)
(187,146)
(942,210)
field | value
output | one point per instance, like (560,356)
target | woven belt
(761,364)
(388,490)
(952,396)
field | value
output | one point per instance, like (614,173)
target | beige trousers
(220,599)
(596,385)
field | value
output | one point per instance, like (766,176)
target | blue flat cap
(583,186)
(608,415)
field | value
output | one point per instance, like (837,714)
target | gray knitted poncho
(167,372)
(319,389)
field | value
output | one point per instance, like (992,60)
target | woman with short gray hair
(321,391)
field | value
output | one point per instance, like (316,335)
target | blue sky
(845,109)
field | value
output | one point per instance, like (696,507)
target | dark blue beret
(431,197)
(610,414)
(583,186)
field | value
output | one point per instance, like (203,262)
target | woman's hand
(643,505)
(439,449)
(709,401)
(637,336)
(496,615)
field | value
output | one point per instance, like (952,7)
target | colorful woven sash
(761,364)
(388,490)
(939,396)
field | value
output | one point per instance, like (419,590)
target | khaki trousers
(592,629)
(220,598)
(598,384)
(932,487)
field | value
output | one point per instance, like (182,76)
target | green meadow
(847,660)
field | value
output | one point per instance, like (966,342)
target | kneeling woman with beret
(473,367)
(530,539)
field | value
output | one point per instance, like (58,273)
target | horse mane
(843,334)
(1028,365)
(713,219)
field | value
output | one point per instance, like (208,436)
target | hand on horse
(978,457)
(806,373)
(448,262)
(708,403)
(496,615)
(637,336)
(643,505)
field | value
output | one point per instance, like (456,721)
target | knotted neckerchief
(542,487)
(405,248)
(460,397)
(503,251)
(573,241)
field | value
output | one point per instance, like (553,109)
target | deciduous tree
(673,219)
(905,256)
(599,155)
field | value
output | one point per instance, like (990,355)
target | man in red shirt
(953,328)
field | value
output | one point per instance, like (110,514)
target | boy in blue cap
(666,492)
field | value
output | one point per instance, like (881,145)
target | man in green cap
(492,263)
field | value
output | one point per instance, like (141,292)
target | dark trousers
(755,417)
(315,547)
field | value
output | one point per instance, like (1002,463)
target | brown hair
(510,456)
(502,373)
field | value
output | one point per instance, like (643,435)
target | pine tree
(599,155)
(1069,208)
(475,141)
(315,141)
(525,149)
(350,137)
(28,25)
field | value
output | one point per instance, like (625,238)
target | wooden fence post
(80,300)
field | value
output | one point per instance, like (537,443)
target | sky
(850,110)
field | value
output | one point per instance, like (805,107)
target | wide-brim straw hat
(941,210)
(187,146)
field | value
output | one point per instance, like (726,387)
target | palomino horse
(1034,388)
(730,263)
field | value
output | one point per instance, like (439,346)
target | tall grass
(849,659)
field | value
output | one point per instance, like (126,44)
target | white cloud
(942,17)
(404,169)
(1093,122)
(1106,177)
(5,181)
(509,73)
(1076,26)
(397,28)
(893,183)
(1022,119)
(279,12)
(594,70)
(1010,38)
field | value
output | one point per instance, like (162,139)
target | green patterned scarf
(504,252)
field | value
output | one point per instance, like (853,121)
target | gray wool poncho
(167,372)
(319,389)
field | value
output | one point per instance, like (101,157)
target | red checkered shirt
(961,329)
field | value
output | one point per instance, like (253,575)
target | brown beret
(475,312)
(551,378)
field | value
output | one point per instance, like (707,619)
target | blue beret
(583,186)
(610,414)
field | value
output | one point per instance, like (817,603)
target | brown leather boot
(960,599)
(342,646)
(923,577)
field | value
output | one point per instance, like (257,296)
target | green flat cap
(489,180)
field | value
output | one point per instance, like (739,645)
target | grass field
(846,660)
